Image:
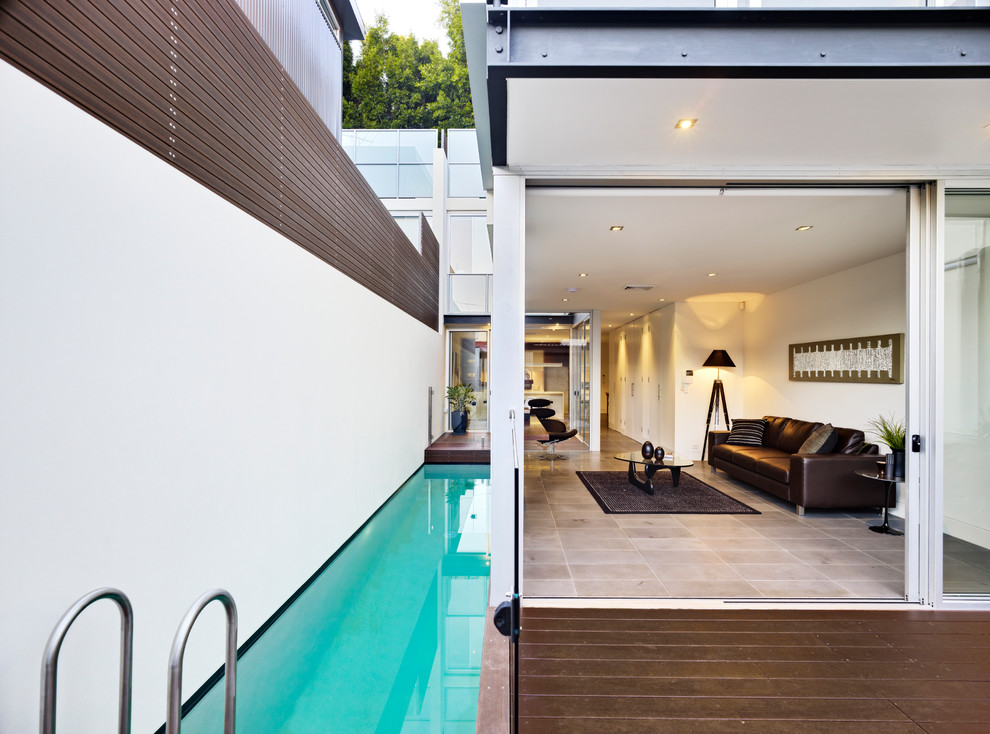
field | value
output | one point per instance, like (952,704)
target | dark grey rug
(691,496)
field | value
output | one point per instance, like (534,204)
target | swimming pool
(388,637)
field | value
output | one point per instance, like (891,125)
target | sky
(418,17)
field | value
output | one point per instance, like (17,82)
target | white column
(507,366)
(595,429)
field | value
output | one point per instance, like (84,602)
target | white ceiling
(672,239)
(621,131)
(791,125)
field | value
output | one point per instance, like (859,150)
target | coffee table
(635,459)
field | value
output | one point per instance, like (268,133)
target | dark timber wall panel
(193,82)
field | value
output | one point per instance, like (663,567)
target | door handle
(916,443)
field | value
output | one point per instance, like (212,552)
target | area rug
(691,496)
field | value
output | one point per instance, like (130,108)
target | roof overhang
(525,43)
(351,22)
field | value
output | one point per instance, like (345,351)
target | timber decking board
(469,448)
(627,671)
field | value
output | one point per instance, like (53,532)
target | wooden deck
(628,671)
(469,448)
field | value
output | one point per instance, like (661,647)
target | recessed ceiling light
(563,299)
(615,228)
(582,275)
(686,123)
(712,275)
(804,227)
(632,314)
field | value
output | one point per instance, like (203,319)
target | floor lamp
(718,358)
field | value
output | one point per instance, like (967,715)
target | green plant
(459,396)
(889,431)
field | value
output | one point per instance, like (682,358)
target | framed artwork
(874,359)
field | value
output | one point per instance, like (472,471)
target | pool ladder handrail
(49,666)
(173,714)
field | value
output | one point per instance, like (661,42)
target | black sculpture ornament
(658,454)
(647,450)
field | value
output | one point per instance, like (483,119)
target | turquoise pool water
(388,638)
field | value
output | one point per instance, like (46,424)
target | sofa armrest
(715,438)
(830,480)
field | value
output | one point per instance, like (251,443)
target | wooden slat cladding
(193,82)
(629,671)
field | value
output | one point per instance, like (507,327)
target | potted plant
(893,434)
(459,396)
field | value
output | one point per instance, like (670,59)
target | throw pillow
(747,432)
(822,441)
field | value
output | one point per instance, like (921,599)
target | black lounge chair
(556,432)
(542,414)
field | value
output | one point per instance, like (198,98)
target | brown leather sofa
(806,480)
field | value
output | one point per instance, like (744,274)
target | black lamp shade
(719,358)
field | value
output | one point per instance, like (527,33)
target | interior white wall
(699,328)
(649,359)
(863,301)
(188,400)
(866,300)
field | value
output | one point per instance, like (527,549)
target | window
(464,169)
(397,163)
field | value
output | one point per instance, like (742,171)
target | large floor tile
(611,571)
(879,572)
(721,588)
(694,571)
(779,572)
(590,542)
(575,556)
(797,589)
(622,588)
(548,587)
(744,557)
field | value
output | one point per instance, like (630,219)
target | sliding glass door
(580,348)
(468,365)
(966,395)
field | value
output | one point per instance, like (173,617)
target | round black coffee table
(888,485)
(635,459)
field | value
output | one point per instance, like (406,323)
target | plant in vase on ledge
(459,396)
(893,434)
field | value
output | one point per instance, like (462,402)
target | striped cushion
(747,432)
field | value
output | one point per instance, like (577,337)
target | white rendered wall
(187,400)
(863,301)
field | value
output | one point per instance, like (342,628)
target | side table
(888,485)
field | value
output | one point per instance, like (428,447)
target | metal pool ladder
(49,668)
(173,714)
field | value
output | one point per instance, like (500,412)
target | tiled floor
(572,548)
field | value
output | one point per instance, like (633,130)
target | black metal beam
(752,43)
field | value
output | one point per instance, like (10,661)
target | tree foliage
(398,82)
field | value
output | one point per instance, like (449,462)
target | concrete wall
(188,400)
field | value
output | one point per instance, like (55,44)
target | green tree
(399,82)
